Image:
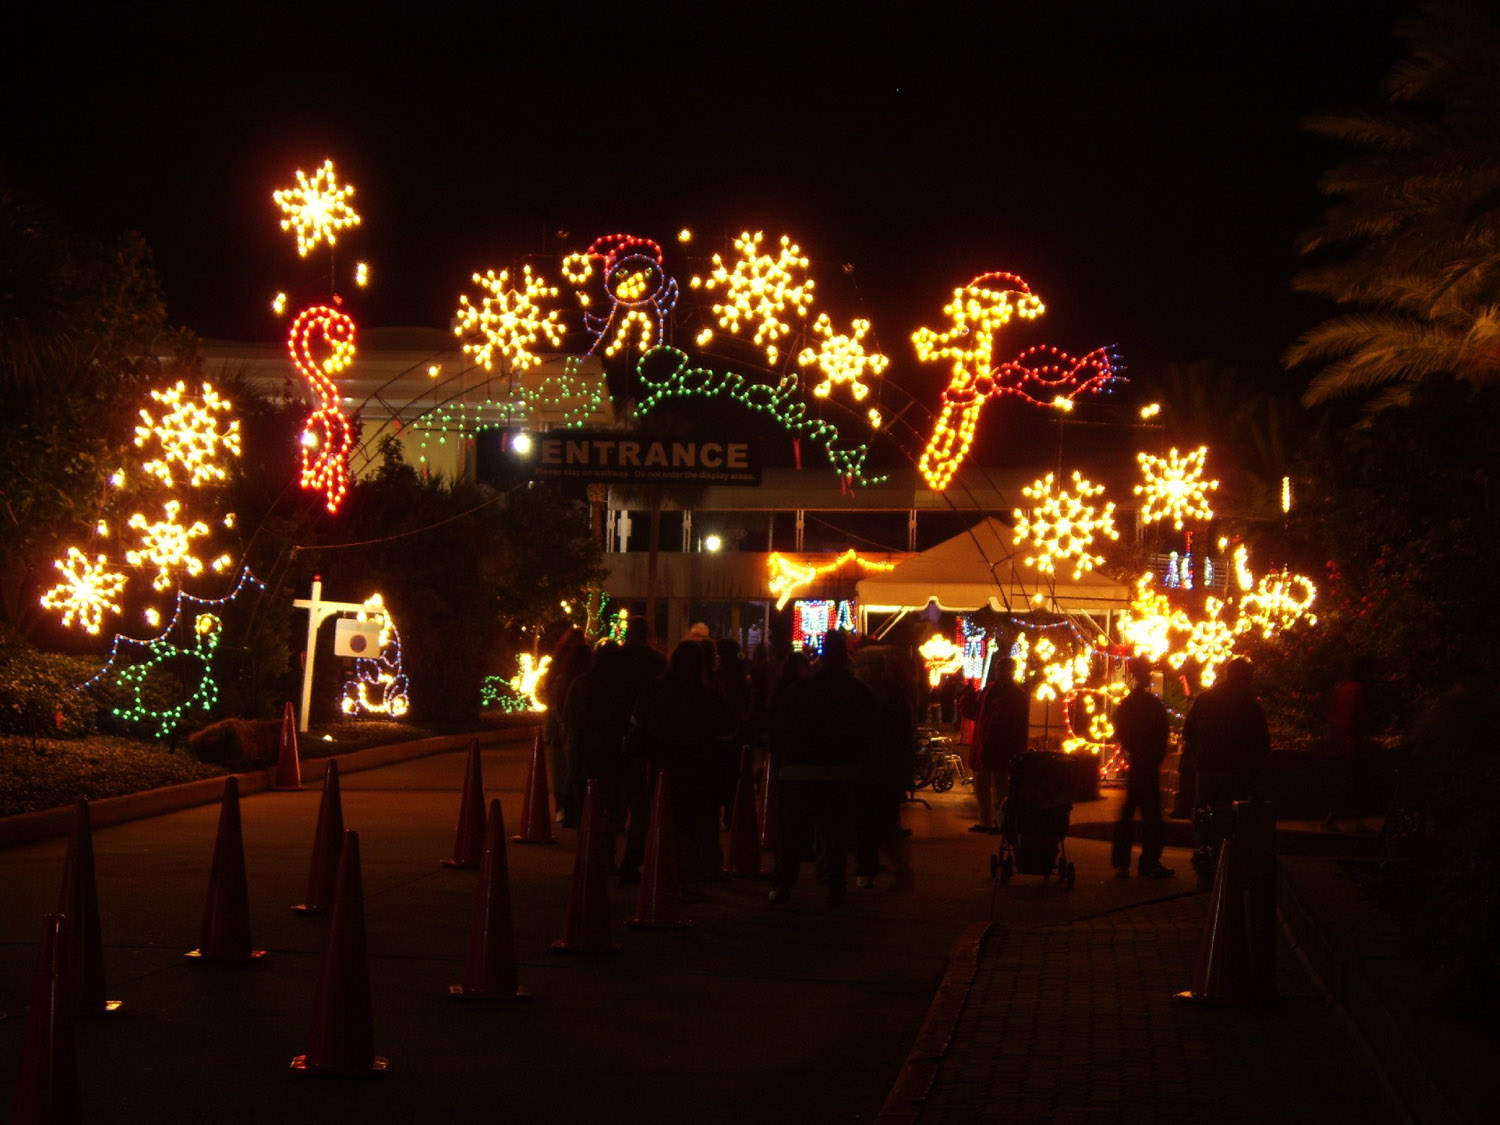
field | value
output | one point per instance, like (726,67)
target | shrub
(40,694)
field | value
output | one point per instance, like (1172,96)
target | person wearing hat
(1141,726)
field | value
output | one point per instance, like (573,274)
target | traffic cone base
(79,902)
(198,957)
(226,914)
(459,992)
(47,1089)
(1222,975)
(288,762)
(490,965)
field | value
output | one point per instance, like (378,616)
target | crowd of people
(839,728)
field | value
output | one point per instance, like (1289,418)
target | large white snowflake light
(87,591)
(508,321)
(1062,525)
(841,358)
(1174,487)
(166,544)
(189,435)
(758,289)
(317,208)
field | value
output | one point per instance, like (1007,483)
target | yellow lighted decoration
(788,577)
(1147,626)
(1061,525)
(941,657)
(317,208)
(509,322)
(87,592)
(362,274)
(1277,603)
(278,304)
(189,436)
(528,679)
(1210,642)
(842,359)
(1092,705)
(166,544)
(1059,677)
(1174,487)
(758,289)
(379,686)
(1150,410)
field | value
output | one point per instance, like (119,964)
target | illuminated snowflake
(1210,642)
(1147,626)
(166,544)
(88,590)
(316,209)
(1062,525)
(189,435)
(842,359)
(1174,487)
(508,321)
(758,289)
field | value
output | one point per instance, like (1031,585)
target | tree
(1418,219)
(82,330)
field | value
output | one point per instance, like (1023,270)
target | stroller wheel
(942,782)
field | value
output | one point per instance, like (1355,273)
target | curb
(919,1071)
(47,824)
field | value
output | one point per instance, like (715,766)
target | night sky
(1141,164)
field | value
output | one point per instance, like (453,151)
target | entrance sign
(610,456)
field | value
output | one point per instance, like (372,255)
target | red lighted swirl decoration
(325,438)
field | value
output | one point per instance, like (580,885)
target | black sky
(1140,163)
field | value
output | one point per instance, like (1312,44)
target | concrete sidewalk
(960,1001)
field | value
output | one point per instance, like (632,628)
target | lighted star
(758,289)
(87,592)
(509,322)
(316,209)
(842,359)
(1062,525)
(166,544)
(1174,487)
(189,435)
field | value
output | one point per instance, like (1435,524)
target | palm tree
(1418,215)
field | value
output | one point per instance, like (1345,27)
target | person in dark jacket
(640,664)
(1226,742)
(1142,728)
(822,734)
(1002,729)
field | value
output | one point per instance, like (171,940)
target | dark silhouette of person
(595,719)
(1350,738)
(681,721)
(640,664)
(822,733)
(1142,728)
(571,657)
(1002,729)
(1226,741)
(894,679)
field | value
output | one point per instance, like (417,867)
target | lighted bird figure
(640,294)
(325,438)
(1041,375)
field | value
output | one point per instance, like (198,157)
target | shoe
(1158,872)
(864,882)
(1122,872)
(778,895)
(557,817)
(980,828)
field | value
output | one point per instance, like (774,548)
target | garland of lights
(758,289)
(325,437)
(508,321)
(207,628)
(1095,705)
(842,359)
(379,684)
(1062,526)
(634,281)
(787,576)
(1174,487)
(1041,375)
(316,209)
(778,402)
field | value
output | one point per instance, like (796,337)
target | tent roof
(979,567)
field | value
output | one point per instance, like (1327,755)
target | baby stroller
(1034,823)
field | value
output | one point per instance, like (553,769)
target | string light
(189,435)
(1174,487)
(508,321)
(788,576)
(1277,603)
(640,294)
(759,289)
(842,359)
(317,208)
(87,592)
(325,438)
(1061,525)
(166,544)
(278,304)
(379,684)
(679,379)
(362,274)
(941,657)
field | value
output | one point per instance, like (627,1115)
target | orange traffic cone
(742,856)
(468,843)
(288,765)
(79,900)
(1222,974)
(343,1031)
(490,968)
(47,1089)
(656,903)
(768,805)
(587,929)
(536,815)
(327,839)
(226,914)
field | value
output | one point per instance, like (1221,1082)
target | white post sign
(318,611)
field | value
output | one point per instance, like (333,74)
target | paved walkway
(960,1001)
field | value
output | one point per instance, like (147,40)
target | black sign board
(607,456)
